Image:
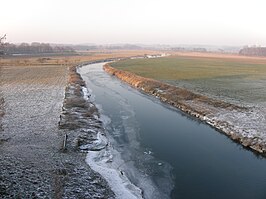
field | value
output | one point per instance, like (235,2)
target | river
(167,153)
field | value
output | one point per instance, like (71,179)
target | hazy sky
(222,22)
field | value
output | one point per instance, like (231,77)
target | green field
(236,80)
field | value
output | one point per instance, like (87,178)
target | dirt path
(32,163)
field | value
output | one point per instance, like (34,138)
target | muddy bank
(213,112)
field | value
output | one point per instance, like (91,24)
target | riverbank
(80,120)
(216,113)
(85,133)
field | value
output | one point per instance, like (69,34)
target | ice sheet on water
(100,161)
(98,144)
(105,120)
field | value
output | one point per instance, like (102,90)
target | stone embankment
(199,106)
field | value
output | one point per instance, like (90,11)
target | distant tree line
(106,47)
(253,51)
(182,49)
(33,48)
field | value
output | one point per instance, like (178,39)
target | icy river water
(167,153)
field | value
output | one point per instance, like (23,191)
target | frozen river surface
(166,153)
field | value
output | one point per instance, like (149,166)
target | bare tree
(2,39)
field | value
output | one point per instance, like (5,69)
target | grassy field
(235,79)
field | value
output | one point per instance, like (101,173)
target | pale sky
(208,22)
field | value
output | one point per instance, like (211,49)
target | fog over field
(126,21)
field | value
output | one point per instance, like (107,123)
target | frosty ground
(33,163)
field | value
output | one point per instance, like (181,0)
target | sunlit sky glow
(208,22)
